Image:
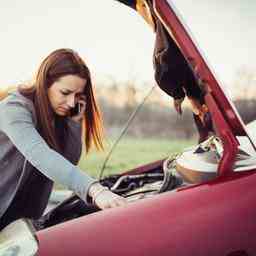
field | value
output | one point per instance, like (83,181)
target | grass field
(131,153)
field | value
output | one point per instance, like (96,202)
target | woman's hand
(104,198)
(81,110)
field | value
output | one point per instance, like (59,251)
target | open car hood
(226,119)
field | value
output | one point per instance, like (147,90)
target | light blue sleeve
(17,123)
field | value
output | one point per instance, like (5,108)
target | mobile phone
(76,110)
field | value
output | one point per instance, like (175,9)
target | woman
(41,139)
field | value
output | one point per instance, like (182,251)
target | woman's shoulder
(16,98)
(16,102)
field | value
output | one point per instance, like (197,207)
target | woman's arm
(73,144)
(17,123)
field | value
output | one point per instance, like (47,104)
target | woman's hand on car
(104,198)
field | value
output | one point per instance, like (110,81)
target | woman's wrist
(77,119)
(103,198)
(95,190)
(74,122)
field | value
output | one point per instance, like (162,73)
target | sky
(115,42)
(226,32)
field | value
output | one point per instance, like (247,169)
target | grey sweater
(28,164)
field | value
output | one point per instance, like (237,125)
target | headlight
(18,239)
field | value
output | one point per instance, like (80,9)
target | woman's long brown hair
(60,63)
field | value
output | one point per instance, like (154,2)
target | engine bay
(133,187)
(193,166)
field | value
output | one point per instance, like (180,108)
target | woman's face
(64,93)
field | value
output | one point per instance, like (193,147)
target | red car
(201,202)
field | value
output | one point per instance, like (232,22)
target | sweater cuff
(87,198)
(74,124)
